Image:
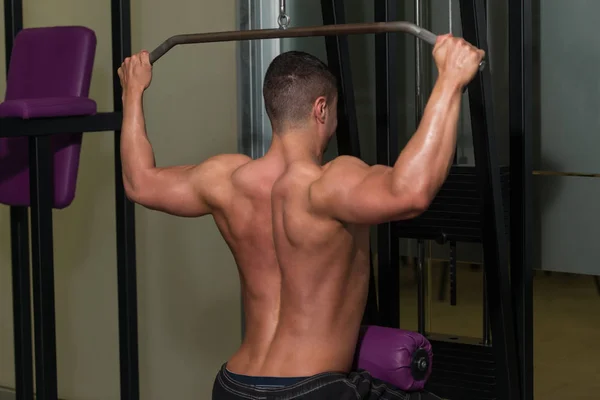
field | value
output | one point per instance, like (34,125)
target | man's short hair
(293,82)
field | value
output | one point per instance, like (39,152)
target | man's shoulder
(230,161)
(223,166)
(217,172)
(344,162)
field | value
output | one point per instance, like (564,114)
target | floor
(566,326)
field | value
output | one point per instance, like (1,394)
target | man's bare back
(304,276)
(298,230)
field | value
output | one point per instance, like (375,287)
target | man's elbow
(133,194)
(414,200)
(135,189)
(421,203)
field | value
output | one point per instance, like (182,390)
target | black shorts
(329,385)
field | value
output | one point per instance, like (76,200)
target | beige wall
(188,291)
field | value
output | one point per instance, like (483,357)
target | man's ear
(321,109)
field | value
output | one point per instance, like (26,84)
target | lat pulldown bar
(325,30)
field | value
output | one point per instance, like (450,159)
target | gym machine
(38,132)
(487,176)
(500,366)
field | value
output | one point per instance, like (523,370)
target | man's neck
(298,146)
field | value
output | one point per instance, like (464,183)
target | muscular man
(299,230)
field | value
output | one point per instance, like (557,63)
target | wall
(188,291)
(566,125)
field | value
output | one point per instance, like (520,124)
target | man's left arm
(187,191)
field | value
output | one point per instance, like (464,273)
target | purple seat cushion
(14,171)
(47,107)
(49,75)
(388,354)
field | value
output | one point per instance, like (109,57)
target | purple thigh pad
(401,358)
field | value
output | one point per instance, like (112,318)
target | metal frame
(493,370)
(495,244)
(254,57)
(387,128)
(21,280)
(338,60)
(100,122)
(125,213)
(347,135)
(19,233)
(520,30)
(419,109)
(41,191)
(42,264)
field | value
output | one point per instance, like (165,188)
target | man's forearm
(425,161)
(137,156)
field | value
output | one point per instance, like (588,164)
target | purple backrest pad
(46,62)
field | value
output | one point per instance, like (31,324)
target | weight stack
(456,212)
(463,369)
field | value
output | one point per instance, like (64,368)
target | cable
(450,17)
(284,19)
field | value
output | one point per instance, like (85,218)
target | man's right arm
(351,191)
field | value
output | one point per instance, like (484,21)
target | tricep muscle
(190,190)
(353,192)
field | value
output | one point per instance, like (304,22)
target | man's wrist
(132,94)
(449,84)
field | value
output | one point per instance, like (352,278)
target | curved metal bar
(325,30)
